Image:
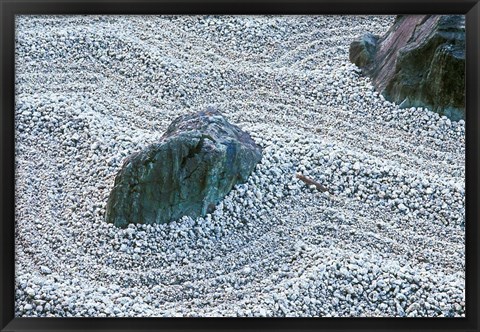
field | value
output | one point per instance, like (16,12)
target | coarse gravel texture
(388,240)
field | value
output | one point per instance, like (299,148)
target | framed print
(239,166)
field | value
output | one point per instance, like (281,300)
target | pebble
(30,292)
(45,270)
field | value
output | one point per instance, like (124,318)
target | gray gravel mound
(91,90)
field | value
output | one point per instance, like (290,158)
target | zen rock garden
(239,166)
(420,61)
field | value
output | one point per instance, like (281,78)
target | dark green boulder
(193,166)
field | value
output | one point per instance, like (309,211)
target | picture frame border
(8,10)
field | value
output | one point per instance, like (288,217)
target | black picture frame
(470,8)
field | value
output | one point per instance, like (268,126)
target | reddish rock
(420,61)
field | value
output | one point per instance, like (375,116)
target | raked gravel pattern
(388,241)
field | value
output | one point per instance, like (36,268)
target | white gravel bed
(91,90)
